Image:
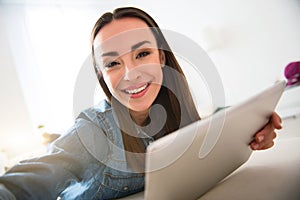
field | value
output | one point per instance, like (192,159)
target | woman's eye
(111,64)
(143,54)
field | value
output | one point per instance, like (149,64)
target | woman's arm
(47,176)
(44,177)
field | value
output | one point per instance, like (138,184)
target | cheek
(111,81)
(156,71)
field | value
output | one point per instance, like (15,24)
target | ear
(162,57)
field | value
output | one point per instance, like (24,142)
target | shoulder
(83,137)
(89,131)
(102,108)
(102,116)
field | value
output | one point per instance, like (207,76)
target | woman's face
(130,61)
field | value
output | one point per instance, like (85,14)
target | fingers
(267,146)
(276,120)
(264,139)
(268,140)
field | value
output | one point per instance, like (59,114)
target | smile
(136,90)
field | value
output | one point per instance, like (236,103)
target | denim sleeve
(6,194)
(47,176)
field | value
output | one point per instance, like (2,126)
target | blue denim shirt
(87,162)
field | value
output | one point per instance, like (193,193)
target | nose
(132,71)
(131,74)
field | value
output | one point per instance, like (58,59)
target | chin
(139,107)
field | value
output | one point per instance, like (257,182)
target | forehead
(121,34)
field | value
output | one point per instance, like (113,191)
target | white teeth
(137,90)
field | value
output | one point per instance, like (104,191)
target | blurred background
(44,46)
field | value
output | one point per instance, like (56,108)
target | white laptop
(192,160)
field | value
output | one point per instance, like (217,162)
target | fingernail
(260,138)
(255,146)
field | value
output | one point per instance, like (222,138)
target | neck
(139,117)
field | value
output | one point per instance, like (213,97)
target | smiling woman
(139,78)
(102,156)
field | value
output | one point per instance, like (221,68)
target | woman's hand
(264,138)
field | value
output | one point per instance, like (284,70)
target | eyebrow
(134,47)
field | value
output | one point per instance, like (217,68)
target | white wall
(14,115)
(250,42)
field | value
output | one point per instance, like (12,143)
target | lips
(137,91)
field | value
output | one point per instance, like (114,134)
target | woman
(102,155)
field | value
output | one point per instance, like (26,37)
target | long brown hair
(174,95)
